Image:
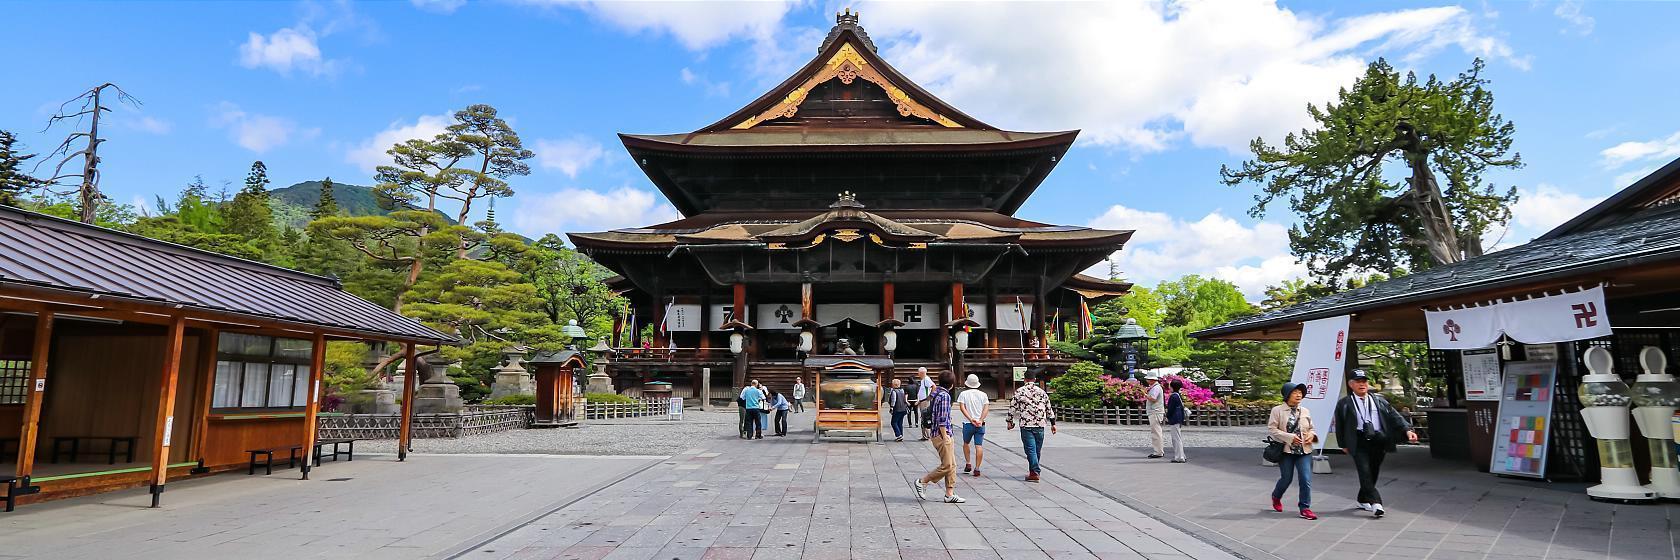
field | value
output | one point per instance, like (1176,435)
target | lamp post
(1134,345)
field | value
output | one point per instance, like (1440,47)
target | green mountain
(292,204)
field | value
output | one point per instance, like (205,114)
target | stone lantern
(511,376)
(1134,345)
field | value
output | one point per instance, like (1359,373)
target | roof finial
(848,199)
(846,17)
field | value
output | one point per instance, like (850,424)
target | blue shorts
(973,433)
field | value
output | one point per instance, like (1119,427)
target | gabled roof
(847,54)
(762,227)
(1660,188)
(47,252)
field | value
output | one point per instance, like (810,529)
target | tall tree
(1358,212)
(249,214)
(420,171)
(500,155)
(327,205)
(570,284)
(93,106)
(14,182)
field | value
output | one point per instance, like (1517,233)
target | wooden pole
(410,377)
(33,396)
(207,346)
(887,311)
(165,424)
(705,326)
(311,408)
(994,330)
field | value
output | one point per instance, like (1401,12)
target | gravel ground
(622,436)
(1194,436)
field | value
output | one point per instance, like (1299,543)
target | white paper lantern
(737,342)
(961,339)
(889,340)
(806,340)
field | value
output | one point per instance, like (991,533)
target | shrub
(608,398)
(1132,393)
(519,399)
(1081,386)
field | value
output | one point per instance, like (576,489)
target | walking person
(1291,425)
(1031,408)
(799,394)
(939,414)
(780,403)
(924,389)
(974,405)
(1157,409)
(898,403)
(1176,414)
(752,398)
(1366,428)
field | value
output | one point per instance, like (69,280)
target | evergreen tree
(327,205)
(249,214)
(14,183)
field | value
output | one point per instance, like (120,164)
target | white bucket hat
(973,381)
(1153,375)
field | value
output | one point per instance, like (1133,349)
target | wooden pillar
(705,326)
(808,309)
(994,330)
(618,330)
(738,377)
(410,377)
(1038,319)
(164,425)
(636,327)
(311,408)
(661,337)
(887,311)
(33,395)
(207,347)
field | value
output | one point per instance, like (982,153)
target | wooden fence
(472,420)
(1202,416)
(645,406)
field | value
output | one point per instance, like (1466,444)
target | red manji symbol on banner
(1452,329)
(1341,337)
(1586,314)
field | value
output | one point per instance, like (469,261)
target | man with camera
(1367,428)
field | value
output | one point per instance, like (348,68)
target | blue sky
(1165,94)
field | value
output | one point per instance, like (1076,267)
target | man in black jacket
(1367,428)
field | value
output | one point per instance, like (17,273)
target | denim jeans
(898,423)
(1032,440)
(1293,464)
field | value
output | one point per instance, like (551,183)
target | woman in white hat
(974,405)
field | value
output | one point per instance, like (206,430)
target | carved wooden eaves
(847,65)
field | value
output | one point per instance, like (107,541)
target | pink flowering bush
(1128,392)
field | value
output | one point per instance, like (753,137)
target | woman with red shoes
(1291,425)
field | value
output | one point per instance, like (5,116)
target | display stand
(1524,420)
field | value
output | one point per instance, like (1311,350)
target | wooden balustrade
(1137,416)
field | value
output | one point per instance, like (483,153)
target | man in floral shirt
(1031,407)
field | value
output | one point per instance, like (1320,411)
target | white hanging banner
(682,317)
(1462,329)
(833,313)
(1319,362)
(976,311)
(1558,318)
(1012,317)
(723,313)
(919,316)
(778,316)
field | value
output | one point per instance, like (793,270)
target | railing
(1039,354)
(642,407)
(1134,416)
(472,420)
(672,354)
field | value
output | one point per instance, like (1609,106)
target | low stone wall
(472,420)
(1136,416)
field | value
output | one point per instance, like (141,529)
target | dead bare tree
(92,105)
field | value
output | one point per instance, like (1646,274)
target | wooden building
(126,361)
(846,206)
(1629,244)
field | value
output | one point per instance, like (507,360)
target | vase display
(1655,395)
(1604,405)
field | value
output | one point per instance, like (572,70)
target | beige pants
(947,468)
(1156,419)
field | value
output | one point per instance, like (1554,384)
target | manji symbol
(1586,314)
(912,313)
(1452,329)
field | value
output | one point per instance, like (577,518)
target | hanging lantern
(737,342)
(960,339)
(806,340)
(889,341)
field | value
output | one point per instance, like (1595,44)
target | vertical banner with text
(1319,363)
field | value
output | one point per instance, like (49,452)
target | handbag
(1273,452)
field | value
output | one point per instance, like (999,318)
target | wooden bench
(111,452)
(335,443)
(13,490)
(268,458)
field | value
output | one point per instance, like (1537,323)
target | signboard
(1020,373)
(921,316)
(169,429)
(1224,386)
(1481,374)
(778,316)
(1540,352)
(682,317)
(976,312)
(723,313)
(1551,318)
(1319,362)
(676,409)
(1524,421)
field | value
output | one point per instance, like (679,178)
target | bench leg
(352,454)
(131,450)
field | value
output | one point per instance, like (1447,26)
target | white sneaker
(1364,506)
(921,493)
(1378,509)
(954,499)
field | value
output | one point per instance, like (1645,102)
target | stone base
(519,384)
(600,384)
(434,398)
(375,401)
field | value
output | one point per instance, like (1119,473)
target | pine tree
(327,205)
(249,215)
(14,183)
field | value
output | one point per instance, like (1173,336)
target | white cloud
(371,152)
(257,132)
(1570,12)
(713,88)
(284,51)
(697,25)
(1537,211)
(688,76)
(439,6)
(1144,75)
(1165,248)
(1628,152)
(570,155)
(150,125)
(579,209)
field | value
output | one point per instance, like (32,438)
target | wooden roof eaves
(847,36)
(1061,140)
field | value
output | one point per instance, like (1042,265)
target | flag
(1084,317)
(1021,313)
(666,317)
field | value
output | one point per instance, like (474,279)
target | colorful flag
(1084,317)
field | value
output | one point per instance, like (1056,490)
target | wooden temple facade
(847,210)
(126,361)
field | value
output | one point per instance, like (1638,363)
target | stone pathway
(786,498)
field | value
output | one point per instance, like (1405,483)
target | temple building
(847,210)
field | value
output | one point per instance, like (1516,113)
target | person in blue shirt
(939,422)
(750,399)
(781,405)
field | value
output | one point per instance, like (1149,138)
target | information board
(1481,374)
(1525,417)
